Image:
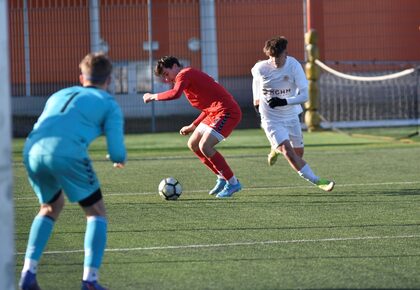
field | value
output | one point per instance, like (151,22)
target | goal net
(367,98)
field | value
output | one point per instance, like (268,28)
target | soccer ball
(170,188)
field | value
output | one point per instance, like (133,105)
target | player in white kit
(279,89)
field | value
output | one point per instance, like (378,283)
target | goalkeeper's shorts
(49,174)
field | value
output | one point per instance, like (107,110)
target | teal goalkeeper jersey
(72,118)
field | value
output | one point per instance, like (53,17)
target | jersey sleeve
(301,95)
(256,88)
(256,85)
(114,132)
(181,82)
(300,77)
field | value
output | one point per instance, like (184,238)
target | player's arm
(256,89)
(165,96)
(148,97)
(200,118)
(116,164)
(186,130)
(114,132)
(172,94)
(302,93)
(300,97)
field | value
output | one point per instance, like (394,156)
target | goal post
(7,248)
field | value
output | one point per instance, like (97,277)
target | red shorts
(224,122)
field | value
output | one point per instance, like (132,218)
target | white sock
(307,173)
(30,265)
(233,180)
(90,274)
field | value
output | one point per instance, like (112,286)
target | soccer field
(279,232)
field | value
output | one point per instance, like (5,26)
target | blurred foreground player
(57,161)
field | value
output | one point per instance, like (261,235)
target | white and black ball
(170,188)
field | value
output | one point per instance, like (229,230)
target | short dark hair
(96,67)
(275,46)
(166,62)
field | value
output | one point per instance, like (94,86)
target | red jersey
(203,93)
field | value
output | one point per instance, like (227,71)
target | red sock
(206,162)
(221,166)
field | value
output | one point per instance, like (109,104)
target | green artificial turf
(279,232)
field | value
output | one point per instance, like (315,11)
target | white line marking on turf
(240,244)
(252,188)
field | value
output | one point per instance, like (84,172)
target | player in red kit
(220,114)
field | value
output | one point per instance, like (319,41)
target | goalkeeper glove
(276,102)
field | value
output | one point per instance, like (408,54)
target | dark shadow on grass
(339,192)
(183,148)
(166,261)
(352,144)
(221,203)
(275,259)
(285,228)
(411,191)
(373,288)
(322,202)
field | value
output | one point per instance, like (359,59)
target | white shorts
(279,131)
(202,128)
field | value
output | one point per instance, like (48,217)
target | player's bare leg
(273,155)
(207,144)
(299,151)
(295,161)
(193,144)
(301,167)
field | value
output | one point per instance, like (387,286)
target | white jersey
(287,82)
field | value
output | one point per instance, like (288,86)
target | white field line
(249,189)
(240,244)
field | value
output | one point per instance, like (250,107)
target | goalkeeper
(57,161)
(279,88)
